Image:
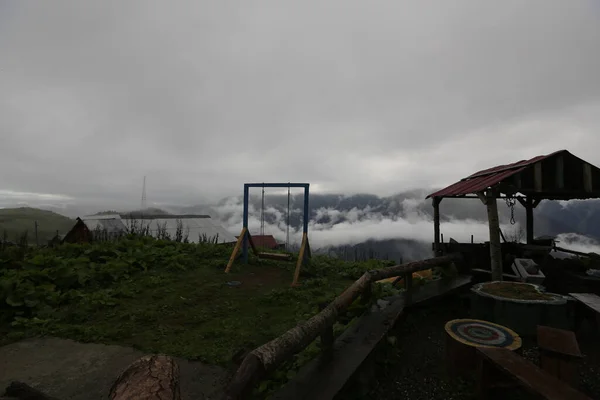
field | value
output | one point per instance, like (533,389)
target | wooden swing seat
(275,256)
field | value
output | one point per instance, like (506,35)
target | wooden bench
(559,353)
(496,364)
(592,301)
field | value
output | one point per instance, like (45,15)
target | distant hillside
(15,221)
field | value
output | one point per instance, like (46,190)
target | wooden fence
(271,355)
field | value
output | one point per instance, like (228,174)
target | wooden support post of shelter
(530,204)
(529,219)
(556,176)
(489,199)
(436,226)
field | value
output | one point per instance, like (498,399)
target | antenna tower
(144,195)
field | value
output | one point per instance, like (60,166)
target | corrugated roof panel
(488,177)
(265,241)
(193,227)
(110,225)
(474,185)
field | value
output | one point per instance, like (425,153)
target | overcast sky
(349,95)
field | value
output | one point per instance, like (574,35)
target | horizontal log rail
(271,355)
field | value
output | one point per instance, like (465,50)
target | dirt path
(70,370)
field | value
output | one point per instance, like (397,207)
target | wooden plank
(530,376)
(439,287)
(537,176)
(324,376)
(558,340)
(589,299)
(560,173)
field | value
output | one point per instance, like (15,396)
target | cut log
(415,266)
(149,377)
(22,391)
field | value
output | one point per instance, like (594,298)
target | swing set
(245,237)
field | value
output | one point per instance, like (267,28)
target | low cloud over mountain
(399,226)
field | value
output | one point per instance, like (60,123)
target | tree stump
(150,377)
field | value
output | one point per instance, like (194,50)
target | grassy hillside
(16,221)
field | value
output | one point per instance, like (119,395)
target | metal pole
(245,225)
(306,216)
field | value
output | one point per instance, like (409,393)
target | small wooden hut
(556,176)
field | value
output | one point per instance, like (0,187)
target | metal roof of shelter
(559,175)
(194,227)
(264,241)
(110,223)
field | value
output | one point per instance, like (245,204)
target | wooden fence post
(367,294)
(327,338)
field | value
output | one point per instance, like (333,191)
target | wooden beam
(537,177)
(482,197)
(529,219)
(560,173)
(494,228)
(502,235)
(587,177)
(415,266)
(536,202)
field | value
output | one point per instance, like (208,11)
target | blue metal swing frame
(247,187)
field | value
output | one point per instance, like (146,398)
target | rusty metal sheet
(488,177)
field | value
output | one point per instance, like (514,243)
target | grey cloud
(351,96)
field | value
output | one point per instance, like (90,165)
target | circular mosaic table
(463,336)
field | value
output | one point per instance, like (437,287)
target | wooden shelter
(556,176)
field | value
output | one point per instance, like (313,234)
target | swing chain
(510,203)
(287,233)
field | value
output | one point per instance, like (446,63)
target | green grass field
(16,221)
(167,297)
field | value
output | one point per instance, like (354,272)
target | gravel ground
(410,365)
